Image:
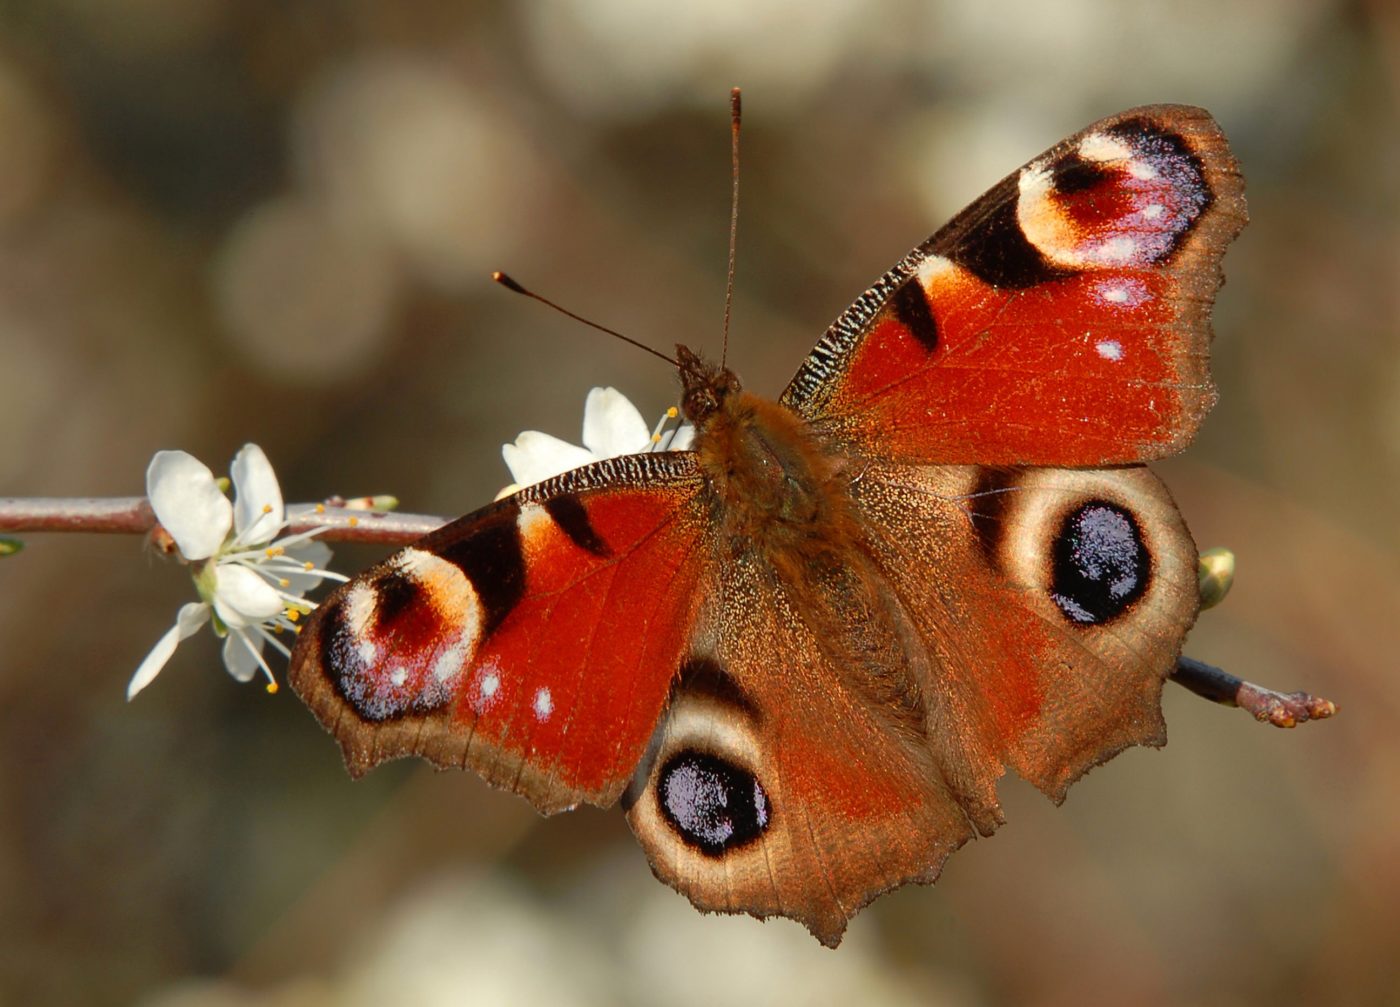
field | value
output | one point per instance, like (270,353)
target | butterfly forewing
(1062,319)
(533,641)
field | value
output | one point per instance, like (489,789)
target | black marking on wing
(704,676)
(1075,173)
(912,309)
(486,546)
(991,245)
(393,592)
(572,518)
(710,803)
(1099,561)
(987,507)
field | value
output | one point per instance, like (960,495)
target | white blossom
(612,426)
(251,584)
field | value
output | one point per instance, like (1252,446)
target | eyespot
(1099,564)
(712,804)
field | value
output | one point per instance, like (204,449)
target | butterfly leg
(1265,705)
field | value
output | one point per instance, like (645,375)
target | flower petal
(257,498)
(318,554)
(187,623)
(188,503)
(535,457)
(241,652)
(242,598)
(612,425)
(682,439)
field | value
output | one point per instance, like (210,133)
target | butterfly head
(706,386)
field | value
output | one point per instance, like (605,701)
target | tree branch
(1264,705)
(133,516)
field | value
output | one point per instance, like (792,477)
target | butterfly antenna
(734,117)
(510,284)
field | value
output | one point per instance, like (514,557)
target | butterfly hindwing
(1053,604)
(791,775)
(1062,319)
(533,641)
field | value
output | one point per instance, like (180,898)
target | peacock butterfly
(802,653)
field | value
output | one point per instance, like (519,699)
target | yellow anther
(308,565)
(320,508)
(274,550)
(293,615)
(284,582)
(272,688)
(353,522)
(672,413)
(656,438)
(267,508)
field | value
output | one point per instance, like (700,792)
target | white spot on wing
(487,691)
(532,522)
(416,564)
(1119,249)
(359,609)
(544,704)
(450,662)
(1109,349)
(933,269)
(1101,147)
(1152,211)
(399,675)
(1033,185)
(1121,293)
(1140,169)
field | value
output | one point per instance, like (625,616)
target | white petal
(187,623)
(188,503)
(257,499)
(612,425)
(318,554)
(239,657)
(682,439)
(534,457)
(242,598)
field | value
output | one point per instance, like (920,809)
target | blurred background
(234,220)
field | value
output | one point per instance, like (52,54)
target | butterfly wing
(1062,319)
(534,641)
(1053,603)
(781,781)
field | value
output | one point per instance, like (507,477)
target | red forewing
(533,641)
(1062,319)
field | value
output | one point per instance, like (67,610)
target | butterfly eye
(1099,565)
(711,803)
